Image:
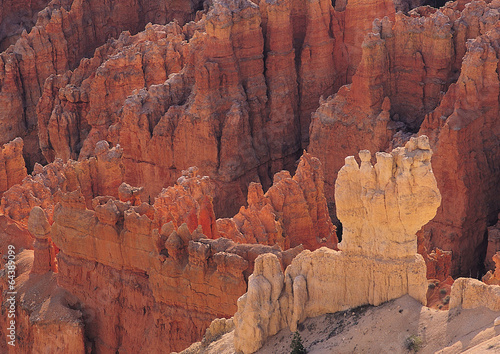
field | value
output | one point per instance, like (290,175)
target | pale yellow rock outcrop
(469,293)
(381,208)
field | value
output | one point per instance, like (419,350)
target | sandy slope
(385,329)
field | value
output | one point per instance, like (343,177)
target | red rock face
(189,202)
(78,107)
(238,92)
(438,264)
(172,282)
(292,212)
(52,48)
(12,169)
(493,245)
(97,176)
(467,156)
(244,110)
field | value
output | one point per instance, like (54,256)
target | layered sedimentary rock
(65,32)
(12,167)
(406,68)
(381,208)
(98,176)
(78,107)
(292,212)
(357,115)
(355,18)
(188,202)
(170,282)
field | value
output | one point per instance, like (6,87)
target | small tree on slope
(297,347)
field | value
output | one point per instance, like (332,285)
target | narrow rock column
(39,227)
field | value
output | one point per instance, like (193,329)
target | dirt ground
(389,328)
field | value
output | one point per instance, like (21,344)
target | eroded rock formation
(48,318)
(189,201)
(98,176)
(381,208)
(12,167)
(233,92)
(244,111)
(16,17)
(493,245)
(465,136)
(492,277)
(469,293)
(171,281)
(292,212)
(412,79)
(78,107)
(44,255)
(64,33)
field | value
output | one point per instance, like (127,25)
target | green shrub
(297,347)
(414,343)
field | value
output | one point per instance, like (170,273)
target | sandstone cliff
(119,260)
(469,293)
(381,208)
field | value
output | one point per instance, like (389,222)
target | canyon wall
(238,85)
(130,270)
(164,264)
(412,81)
(466,137)
(16,17)
(381,208)
(65,32)
(98,176)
